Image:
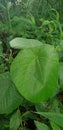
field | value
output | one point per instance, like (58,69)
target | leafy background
(30,29)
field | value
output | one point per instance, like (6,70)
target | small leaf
(32,19)
(41,126)
(54,126)
(15,121)
(9,4)
(21,43)
(55,117)
(46,22)
(10,99)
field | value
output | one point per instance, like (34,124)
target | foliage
(34,64)
(31,65)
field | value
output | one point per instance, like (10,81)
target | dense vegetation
(31,65)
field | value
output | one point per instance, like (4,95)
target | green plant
(50,30)
(34,72)
(34,64)
(22,27)
(31,71)
(6,13)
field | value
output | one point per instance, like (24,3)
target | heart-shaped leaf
(35,72)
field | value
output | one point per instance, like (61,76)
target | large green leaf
(10,99)
(15,121)
(55,117)
(19,43)
(41,126)
(35,72)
